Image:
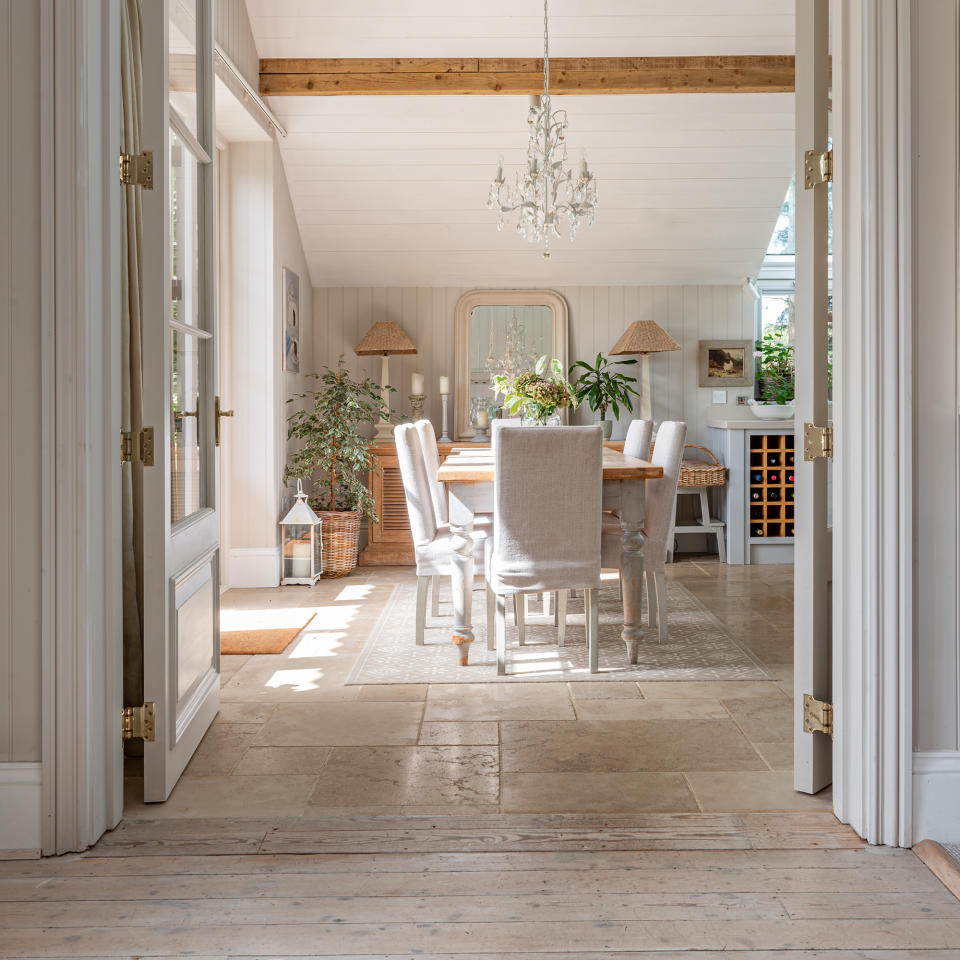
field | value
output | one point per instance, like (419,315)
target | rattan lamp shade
(644,336)
(384,339)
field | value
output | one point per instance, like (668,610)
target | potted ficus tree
(601,387)
(332,445)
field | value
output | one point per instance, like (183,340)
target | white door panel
(813,542)
(181,523)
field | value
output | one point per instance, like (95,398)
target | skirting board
(936,789)
(20,801)
(254,567)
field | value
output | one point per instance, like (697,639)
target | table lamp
(644,337)
(384,339)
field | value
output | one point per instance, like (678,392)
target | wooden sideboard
(388,542)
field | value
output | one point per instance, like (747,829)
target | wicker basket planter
(340,533)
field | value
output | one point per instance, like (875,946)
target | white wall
(937,379)
(263,238)
(21,569)
(598,315)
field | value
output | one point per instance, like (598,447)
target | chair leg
(435,598)
(721,546)
(516,604)
(660,590)
(561,617)
(501,632)
(653,606)
(521,610)
(491,616)
(592,619)
(620,588)
(423,588)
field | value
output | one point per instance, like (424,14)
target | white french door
(813,754)
(181,527)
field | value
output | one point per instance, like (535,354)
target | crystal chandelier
(545,191)
(517,356)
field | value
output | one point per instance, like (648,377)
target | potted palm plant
(331,443)
(603,387)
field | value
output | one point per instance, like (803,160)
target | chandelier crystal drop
(545,191)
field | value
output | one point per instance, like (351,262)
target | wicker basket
(340,533)
(700,473)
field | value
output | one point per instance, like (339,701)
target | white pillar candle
(444,385)
(416,384)
(483,418)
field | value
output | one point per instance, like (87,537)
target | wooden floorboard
(660,887)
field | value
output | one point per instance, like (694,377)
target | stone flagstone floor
(292,740)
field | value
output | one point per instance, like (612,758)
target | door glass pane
(183,61)
(185,453)
(184,234)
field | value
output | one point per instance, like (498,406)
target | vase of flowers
(537,395)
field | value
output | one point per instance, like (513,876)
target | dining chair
(547,496)
(661,498)
(432,540)
(637,442)
(438,497)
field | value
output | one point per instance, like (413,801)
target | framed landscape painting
(726,363)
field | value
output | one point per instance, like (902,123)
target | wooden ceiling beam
(497,75)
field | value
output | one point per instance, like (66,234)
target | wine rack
(771,486)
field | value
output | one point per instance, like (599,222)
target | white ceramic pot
(771,411)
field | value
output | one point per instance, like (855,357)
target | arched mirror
(502,331)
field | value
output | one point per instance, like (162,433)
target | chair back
(431,462)
(637,443)
(416,487)
(547,498)
(662,493)
(502,423)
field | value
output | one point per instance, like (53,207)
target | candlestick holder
(444,438)
(416,403)
(480,435)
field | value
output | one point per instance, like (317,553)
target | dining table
(468,475)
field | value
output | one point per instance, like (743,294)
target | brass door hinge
(138,722)
(817,715)
(218,414)
(817,168)
(137,447)
(817,442)
(136,170)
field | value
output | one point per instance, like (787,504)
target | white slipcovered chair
(432,546)
(661,501)
(548,485)
(637,442)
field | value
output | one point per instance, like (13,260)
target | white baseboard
(20,801)
(936,796)
(254,567)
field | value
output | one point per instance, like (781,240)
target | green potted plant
(603,387)
(330,442)
(536,395)
(775,375)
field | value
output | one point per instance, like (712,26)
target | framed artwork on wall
(291,321)
(725,363)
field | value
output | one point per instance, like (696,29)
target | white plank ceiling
(391,190)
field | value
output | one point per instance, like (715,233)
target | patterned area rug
(698,647)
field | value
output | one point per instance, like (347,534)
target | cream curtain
(131,68)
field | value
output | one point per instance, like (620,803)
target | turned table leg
(631,564)
(461,579)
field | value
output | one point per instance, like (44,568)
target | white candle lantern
(302,547)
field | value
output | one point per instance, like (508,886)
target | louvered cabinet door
(389,540)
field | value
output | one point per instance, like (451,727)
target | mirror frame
(497,298)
